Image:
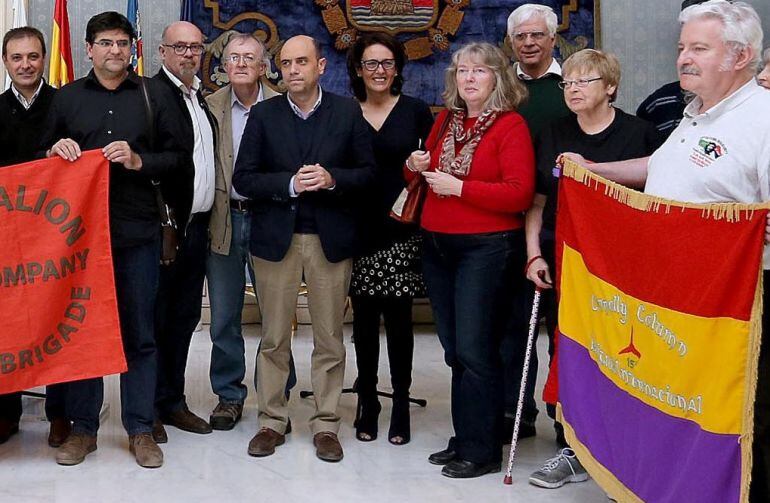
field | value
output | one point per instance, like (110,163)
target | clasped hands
(442,184)
(312,177)
(117,151)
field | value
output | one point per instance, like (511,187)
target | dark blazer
(20,128)
(178,188)
(269,156)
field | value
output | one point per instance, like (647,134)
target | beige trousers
(327,289)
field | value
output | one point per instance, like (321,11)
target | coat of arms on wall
(436,22)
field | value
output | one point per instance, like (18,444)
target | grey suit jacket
(220,225)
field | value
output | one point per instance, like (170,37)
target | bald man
(191,195)
(305,162)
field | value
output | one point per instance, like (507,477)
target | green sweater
(545,103)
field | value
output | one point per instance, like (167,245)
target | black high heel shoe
(367,414)
(399,432)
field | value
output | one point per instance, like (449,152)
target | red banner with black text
(57,292)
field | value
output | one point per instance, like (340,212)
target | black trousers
(397,316)
(178,311)
(760,475)
(10,404)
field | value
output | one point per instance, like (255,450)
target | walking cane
(525,370)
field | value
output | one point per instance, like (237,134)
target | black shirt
(664,108)
(627,137)
(94,116)
(409,121)
(20,127)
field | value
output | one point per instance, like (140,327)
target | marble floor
(216,467)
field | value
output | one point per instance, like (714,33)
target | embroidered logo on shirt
(707,151)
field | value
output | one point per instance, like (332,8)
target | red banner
(57,291)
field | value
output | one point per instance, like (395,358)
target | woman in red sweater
(481,170)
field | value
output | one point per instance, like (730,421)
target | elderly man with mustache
(719,53)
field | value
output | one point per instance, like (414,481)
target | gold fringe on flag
(731,212)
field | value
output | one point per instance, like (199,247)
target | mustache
(688,70)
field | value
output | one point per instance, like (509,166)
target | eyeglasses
(537,36)
(372,64)
(566,84)
(106,43)
(247,59)
(181,49)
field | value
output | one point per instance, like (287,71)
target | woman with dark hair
(387,277)
(480,167)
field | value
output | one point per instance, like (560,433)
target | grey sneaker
(559,470)
(226,415)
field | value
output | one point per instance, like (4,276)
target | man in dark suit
(191,194)
(304,161)
(23,111)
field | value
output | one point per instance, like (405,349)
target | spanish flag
(60,65)
(659,329)
(132,13)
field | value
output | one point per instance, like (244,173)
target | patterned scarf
(460,164)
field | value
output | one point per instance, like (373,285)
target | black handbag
(169,231)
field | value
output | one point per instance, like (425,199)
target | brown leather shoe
(7,429)
(187,421)
(145,450)
(58,432)
(265,442)
(159,432)
(75,449)
(327,446)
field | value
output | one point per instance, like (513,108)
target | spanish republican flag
(659,328)
(60,64)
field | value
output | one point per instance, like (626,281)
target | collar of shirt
(131,80)
(727,103)
(26,104)
(196,84)
(554,68)
(235,101)
(299,111)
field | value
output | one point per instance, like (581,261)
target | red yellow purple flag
(60,70)
(659,322)
(59,308)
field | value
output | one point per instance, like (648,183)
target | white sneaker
(559,470)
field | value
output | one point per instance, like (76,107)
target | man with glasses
(532,34)
(192,196)
(305,163)
(245,61)
(105,110)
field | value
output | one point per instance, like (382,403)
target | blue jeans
(178,312)
(226,280)
(136,282)
(469,277)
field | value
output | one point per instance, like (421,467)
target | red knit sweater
(498,188)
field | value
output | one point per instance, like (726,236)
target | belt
(240,205)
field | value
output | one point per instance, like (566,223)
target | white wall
(644,36)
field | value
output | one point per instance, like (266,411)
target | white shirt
(26,104)
(203,146)
(721,155)
(239,114)
(553,68)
